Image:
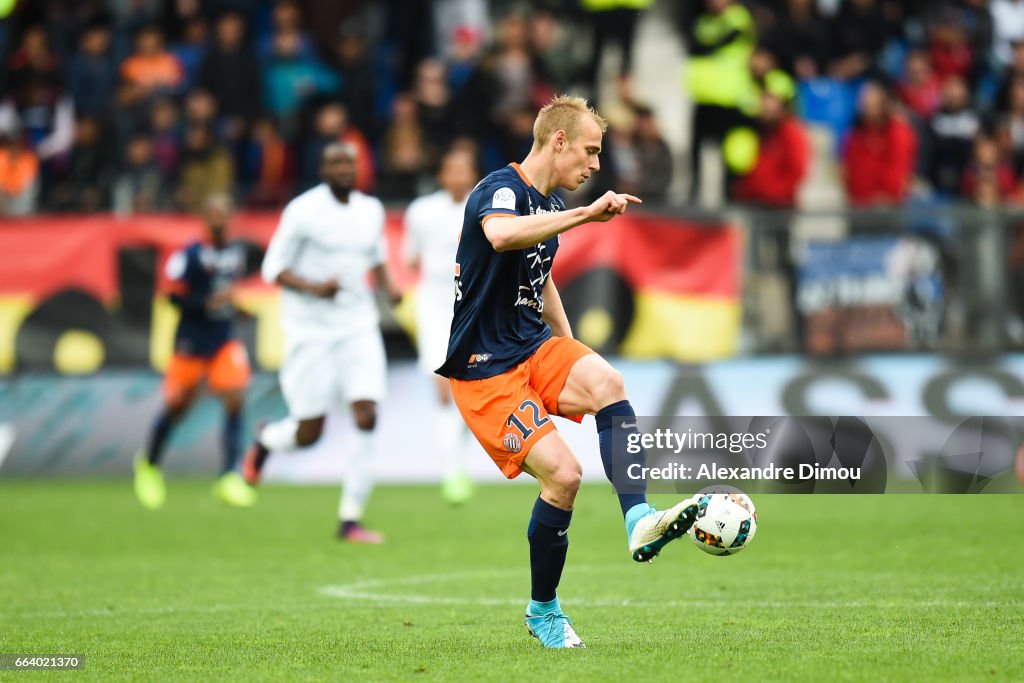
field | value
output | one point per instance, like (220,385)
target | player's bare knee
(611,388)
(309,432)
(566,481)
(365,413)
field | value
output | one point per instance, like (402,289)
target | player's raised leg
(594,386)
(558,472)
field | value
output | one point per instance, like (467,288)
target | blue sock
(158,437)
(549,543)
(232,441)
(616,458)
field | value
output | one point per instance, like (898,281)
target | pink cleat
(354,532)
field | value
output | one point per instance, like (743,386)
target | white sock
(280,435)
(358,484)
(448,435)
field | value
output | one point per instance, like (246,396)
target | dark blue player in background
(203,275)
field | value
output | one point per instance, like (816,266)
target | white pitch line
(370,592)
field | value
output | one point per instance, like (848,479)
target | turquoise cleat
(553,629)
(650,530)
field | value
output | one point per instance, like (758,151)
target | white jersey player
(329,239)
(432,226)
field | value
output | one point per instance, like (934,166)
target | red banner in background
(78,293)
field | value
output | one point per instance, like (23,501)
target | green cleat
(149,483)
(232,490)
(457,489)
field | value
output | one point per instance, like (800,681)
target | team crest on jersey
(512,443)
(504,198)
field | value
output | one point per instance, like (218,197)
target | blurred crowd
(151,105)
(915,98)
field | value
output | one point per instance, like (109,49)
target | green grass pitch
(859,588)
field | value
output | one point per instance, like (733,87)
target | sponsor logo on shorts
(479,357)
(512,443)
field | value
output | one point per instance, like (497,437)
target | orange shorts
(227,370)
(510,412)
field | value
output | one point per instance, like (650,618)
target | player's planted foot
(354,532)
(457,489)
(149,483)
(253,461)
(649,531)
(547,623)
(232,490)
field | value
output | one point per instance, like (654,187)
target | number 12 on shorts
(535,418)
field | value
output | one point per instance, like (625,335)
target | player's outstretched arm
(506,233)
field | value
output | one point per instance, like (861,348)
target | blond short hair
(563,113)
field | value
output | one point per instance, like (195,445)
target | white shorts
(433,327)
(320,374)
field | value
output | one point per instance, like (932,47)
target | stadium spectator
(166,138)
(206,169)
(269,166)
(952,131)
(976,21)
(152,68)
(920,89)
(92,74)
(19,176)
(32,66)
(474,87)
(1012,124)
(799,37)
(403,153)
(949,50)
(290,78)
(654,156)
(453,16)
(552,42)
(880,152)
(85,181)
(139,188)
(613,21)
(783,157)
(200,108)
(721,44)
(1008,20)
(988,179)
(352,61)
(1013,71)
(191,49)
(520,80)
(232,70)
(433,109)
(331,124)
(286,19)
(857,37)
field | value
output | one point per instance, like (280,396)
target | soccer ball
(725,523)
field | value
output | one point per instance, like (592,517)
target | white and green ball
(726,523)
